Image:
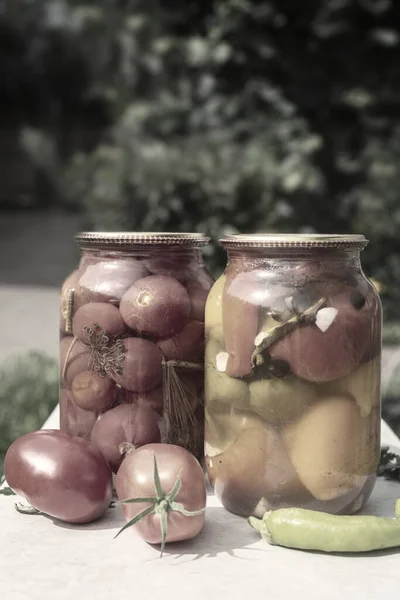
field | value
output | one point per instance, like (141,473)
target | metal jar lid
(121,239)
(293,240)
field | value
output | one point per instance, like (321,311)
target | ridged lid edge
(134,238)
(293,240)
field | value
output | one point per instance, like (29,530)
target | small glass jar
(292,375)
(132,341)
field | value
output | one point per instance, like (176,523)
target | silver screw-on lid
(293,240)
(127,239)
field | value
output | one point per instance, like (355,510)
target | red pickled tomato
(366,300)
(61,476)
(108,280)
(187,345)
(373,310)
(153,399)
(203,277)
(168,265)
(92,391)
(142,368)
(74,420)
(106,316)
(197,378)
(198,297)
(198,288)
(157,305)
(254,468)
(132,423)
(323,270)
(320,356)
(240,310)
(74,358)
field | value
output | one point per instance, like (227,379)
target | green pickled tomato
(332,447)
(364,384)
(221,392)
(367,451)
(217,334)
(252,471)
(281,400)
(223,429)
(213,311)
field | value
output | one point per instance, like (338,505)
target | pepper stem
(255,523)
(276,333)
(261,526)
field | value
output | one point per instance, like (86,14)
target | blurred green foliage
(28,394)
(240,115)
(391,334)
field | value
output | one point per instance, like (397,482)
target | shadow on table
(223,533)
(112,519)
(370,554)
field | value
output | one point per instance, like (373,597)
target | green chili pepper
(313,530)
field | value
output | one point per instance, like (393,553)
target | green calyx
(7,491)
(160,504)
(27,509)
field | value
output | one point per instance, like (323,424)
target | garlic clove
(221,361)
(260,337)
(325,317)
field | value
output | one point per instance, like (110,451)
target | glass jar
(292,375)
(132,341)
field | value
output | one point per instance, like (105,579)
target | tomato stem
(147,511)
(178,507)
(164,530)
(160,505)
(126,448)
(151,499)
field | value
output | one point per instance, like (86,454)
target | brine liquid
(132,333)
(292,390)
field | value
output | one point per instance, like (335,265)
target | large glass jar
(132,341)
(292,383)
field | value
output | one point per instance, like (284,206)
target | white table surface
(41,559)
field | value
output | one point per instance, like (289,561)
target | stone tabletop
(41,559)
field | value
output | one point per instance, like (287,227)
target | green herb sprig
(389,466)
